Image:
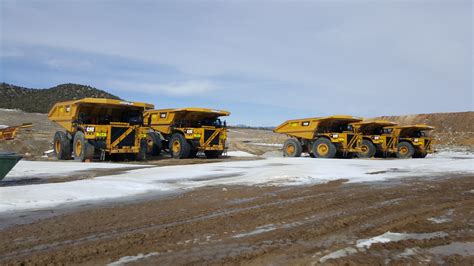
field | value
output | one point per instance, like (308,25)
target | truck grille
(208,134)
(427,143)
(349,139)
(129,140)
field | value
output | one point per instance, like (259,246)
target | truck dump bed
(162,120)
(369,127)
(408,130)
(93,110)
(308,127)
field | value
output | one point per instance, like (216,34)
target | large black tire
(154,143)
(179,147)
(141,155)
(323,148)
(62,146)
(213,154)
(82,149)
(405,150)
(368,149)
(292,148)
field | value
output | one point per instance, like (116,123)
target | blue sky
(265,61)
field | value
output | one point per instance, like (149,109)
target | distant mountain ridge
(41,100)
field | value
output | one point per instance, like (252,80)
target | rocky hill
(41,100)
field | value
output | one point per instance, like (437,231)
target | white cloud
(187,88)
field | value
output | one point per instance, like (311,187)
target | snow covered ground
(271,171)
(38,169)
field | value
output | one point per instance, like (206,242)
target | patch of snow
(394,237)
(439,220)
(240,154)
(10,110)
(442,219)
(271,171)
(3,126)
(338,254)
(258,230)
(48,151)
(455,248)
(267,144)
(128,259)
(39,169)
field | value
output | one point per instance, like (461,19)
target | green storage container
(7,161)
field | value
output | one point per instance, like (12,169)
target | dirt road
(433,221)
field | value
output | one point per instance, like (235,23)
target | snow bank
(239,154)
(38,169)
(272,171)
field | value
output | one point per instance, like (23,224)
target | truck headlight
(376,137)
(335,135)
(415,140)
(189,131)
(90,129)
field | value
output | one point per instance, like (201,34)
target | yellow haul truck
(186,131)
(374,141)
(324,137)
(97,127)
(408,141)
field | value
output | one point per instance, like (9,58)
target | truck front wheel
(405,150)
(179,147)
(324,148)
(368,149)
(83,150)
(154,144)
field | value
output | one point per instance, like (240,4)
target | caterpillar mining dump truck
(98,127)
(374,141)
(408,141)
(186,131)
(325,137)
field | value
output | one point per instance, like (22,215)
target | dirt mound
(451,128)
(444,122)
(31,142)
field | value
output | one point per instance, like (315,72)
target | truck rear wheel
(62,146)
(179,147)
(213,154)
(154,144)
(405,150)
(83,150)
(367,149)
(292,148)
(324,148)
